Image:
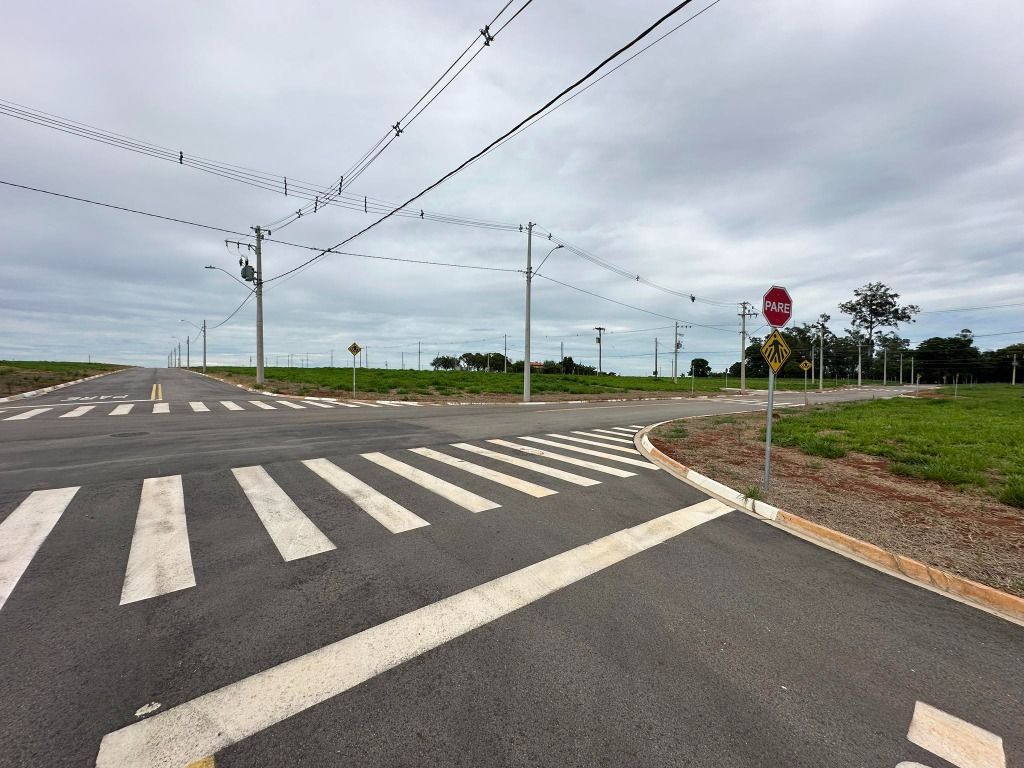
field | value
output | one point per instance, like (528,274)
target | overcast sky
(814,145)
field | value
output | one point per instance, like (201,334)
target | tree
(938,360)
(876,306)
(700,367)
(446,363)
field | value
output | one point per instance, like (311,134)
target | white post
(901,369)
(858,365)
(259,307)
(675,355)
(204,346)
(743,347)
(885,366)
(821,355)
(1013,380)
(768,431)
(529,281)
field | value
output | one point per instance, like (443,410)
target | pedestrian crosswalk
(198,406)
(480,476)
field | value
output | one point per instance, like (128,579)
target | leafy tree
(938,360)
(700,367)
(876,306)
(446,363)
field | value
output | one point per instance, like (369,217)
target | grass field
(976,439)
(17,376)
(423,384)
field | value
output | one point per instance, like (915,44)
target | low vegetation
(432,384)
(974,439)
(17,376)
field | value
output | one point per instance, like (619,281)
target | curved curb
(55,387)
(987,598)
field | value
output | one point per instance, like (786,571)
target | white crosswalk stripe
(636,426)
(624,430)
(74,413)
(344,404)
(609,438)
(160,560)
(123,409)
(388,513)
(294,534)
(589,452)
(199,407)
(26,414)
(290,404)
(615,471)
(597,443)
(399,403)
(316,404)
(231,406)
(23,532)
(608,432)
(454,494)
(524,486)
(515,461)
(161,407)
(263,404)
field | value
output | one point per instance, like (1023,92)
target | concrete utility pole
(418,348)
(745,312)
(912,371)
(561,356)
(259,307)
(1013,379)
(529,282)
(885,366)
(858,365)
(600,329)
(655,357)
(675,354)
(505,365)
(821,362)
(188,353)
(204,346)
(179,354)
(901,369)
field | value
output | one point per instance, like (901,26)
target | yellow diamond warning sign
(805,366)
(775,350)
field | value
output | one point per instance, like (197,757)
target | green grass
(975,440)
(17,376)
(455,383)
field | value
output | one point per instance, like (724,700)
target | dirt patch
(966,532)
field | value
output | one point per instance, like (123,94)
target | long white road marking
(400,403)
(954,740)
(122,410)
(74,413)
(27,414)
(199,407)
(290,404)
(597,443)
(589,452)
(636,426)
(368,405)
(160,560)
(609,438)
(523,486)
(388,402)
(263,404)
(614,432)
(231,406)
(624,430)
(23,532)
(214,721)
(443,488)
(318,405)
(614,471)
(388,513)
(515,461)
(161,407)
(294,534)
(344,405)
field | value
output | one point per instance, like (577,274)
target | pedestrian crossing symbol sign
(775,350)
(805,366)
(354,349)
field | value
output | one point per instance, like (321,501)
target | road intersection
(440,585)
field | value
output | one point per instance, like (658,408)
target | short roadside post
(777,309)
(805,366)
(354,349)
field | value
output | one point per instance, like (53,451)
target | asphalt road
(205,592)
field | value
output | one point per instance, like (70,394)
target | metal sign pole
(353,375)
(768,431)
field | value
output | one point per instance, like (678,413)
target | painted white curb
(55,387)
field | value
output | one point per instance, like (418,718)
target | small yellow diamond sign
(355,349)
(805,366)
(775,350)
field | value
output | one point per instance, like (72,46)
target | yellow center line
(152,393)
(157,392)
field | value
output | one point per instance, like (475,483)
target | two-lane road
(378,584)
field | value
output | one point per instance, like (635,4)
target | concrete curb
(987,598)
(55,387)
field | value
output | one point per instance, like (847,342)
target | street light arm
(250,290)
(546,258)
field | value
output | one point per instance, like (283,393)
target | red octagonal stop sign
(777,307)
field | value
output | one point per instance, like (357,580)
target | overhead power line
(971,309)
(678,7)
(479,42)
(271,182)
(126,210)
